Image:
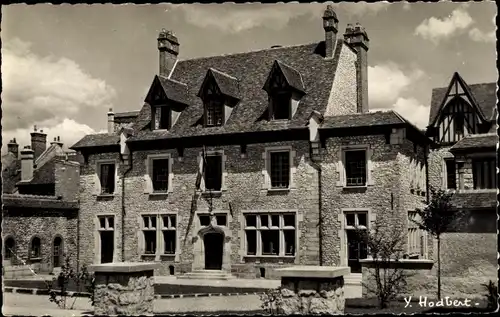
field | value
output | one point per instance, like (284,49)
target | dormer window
(220,93)
(214,112)
(163,118)
(285,89)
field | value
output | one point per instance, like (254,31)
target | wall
(244,192)
(343,95)
(67,180)
(24,224)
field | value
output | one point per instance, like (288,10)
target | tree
(385,242)
(436,218)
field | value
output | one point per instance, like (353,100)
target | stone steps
(16,271)
(207,275)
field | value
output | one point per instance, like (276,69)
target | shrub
(492,295)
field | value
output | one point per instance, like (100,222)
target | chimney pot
(13,148)
(111,122)
(168,47)
(330,25)
(38,142)
(27,163)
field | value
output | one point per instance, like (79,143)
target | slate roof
(252,70)
(292,76)
(475,200)
(175,91)
(484,94)
(126,114)
(11,172)
(370,119)
(36,201)
(228,85)
(476,141)
(43,174)
(102,139)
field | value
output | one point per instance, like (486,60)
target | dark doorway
(356,250)
(213,250)
(107,246)
(10,246)
(58,252)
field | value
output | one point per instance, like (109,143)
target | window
(270,234)
(220,219)
(160,175)
(213,173)
(164,121)
(10,247)
(451,176)
(106,225)
(159,234)
(214,112)
(35,250)
(355,168)
(415,243)
(356,247)
(107,178)
(484,173)
(280,105)
(459,122)
(280,169)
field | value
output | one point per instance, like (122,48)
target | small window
(160,175)
(280,169)
(204,220)
(107,178)
(213,173)
(289,242)
(451,176)
(251,221)
(355,168)
(289,220)
(251,242)
(214,109)
(150,241)
(484,173)
(35,251)
(275,220)
(270,242)
(264,220)
(221,220)
(169,241)
(10,246)
(281,104)
(459,122)
(165,117)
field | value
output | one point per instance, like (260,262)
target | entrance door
(356,250)
(107,246)
(57,252)
(213,242)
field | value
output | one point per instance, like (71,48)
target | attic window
(281,105)
(214,112)
(163,117)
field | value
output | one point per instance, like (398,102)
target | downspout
(123,203)
(317,167)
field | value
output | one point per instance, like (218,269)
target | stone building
(241,163)
(462,123)
(39,206)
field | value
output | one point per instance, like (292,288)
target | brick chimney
(111,122)
(357,37)
(57,141)
(27,160)
(330,25)
(13,148)
(38,142)
(168,45)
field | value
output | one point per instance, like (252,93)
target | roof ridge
(480,135)
(248,52)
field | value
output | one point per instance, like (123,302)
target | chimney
(13,148)
(357,37)
(168,45)
(111,122)
(330,24)
(27,159)
(38,142)
(57,141)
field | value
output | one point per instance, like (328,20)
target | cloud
(46,90)
(435,29)
(388,81)
(232,18)
(479,36)
(68,130)
(410,109)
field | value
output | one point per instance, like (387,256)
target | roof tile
(475,141)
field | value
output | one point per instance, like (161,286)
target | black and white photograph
(249,158)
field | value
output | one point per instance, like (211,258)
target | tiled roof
(227,84)
(43,174)
(252,70)
(174,90)
(34,201)
(475,141)
(475,200)
(292,76)
(126,114)
(102,139)
(484,94)
(363,120)
(10,172)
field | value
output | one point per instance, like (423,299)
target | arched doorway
(10,246)
(58,252)
(214,244)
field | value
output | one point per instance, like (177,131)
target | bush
(492,295)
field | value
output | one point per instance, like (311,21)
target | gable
(481,96)
(163,89)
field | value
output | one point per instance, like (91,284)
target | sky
(64,66)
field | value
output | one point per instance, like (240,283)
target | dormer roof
(227,84)
(164,88)
(292,76)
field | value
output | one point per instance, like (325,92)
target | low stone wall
(124,289)
(313,290)
(415,270)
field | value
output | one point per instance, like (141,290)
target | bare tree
(385,242)
(436,218)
